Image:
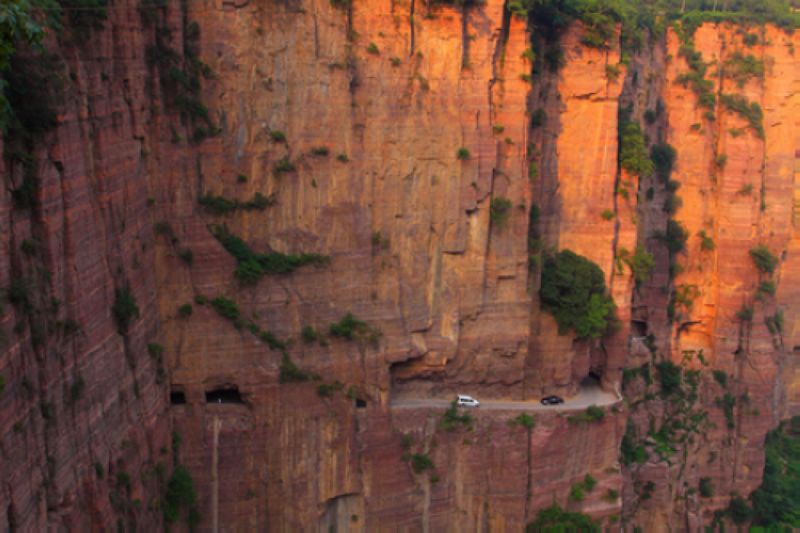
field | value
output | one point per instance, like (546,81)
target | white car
(467,401)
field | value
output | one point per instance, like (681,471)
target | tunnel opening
(361,404)
(638,328)
(177,397)
(594,377)
(227,395)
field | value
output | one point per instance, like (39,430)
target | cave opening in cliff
(177,397)
(361,404)
(228,395)
(638,328)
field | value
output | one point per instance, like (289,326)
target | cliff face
(429,249)
(83,404)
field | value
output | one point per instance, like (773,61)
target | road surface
(587,395)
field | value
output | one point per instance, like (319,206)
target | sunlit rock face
(408,134)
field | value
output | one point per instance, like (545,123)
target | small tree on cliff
(574,290)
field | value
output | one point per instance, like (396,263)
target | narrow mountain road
(588,395)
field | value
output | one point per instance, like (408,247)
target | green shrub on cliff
(180,494)
(124,308)
(254,265)
(764,259)
(633,156)
(290,373)
(776,502)
(555,519)
(574,291)
(348,327)
(419,462)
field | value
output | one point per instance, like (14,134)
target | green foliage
(342,158)
(538,118)
(611,496)
(2,383)
(452,418)
(525,420)
(220,205)
(776,503)
(591,414)
(348,327)
(320,150)
(180,494)
(289,373)
(745,313)
(630,451)
(31,84)
(372,48)
(99,470)
(695,78)
(574,290)
(407,440)
(738,510)
(663,157)
(764,259)
(672,204)
(555,519)
(767,287)
(670,376)
(706,242)
(155,349)
(309,334)
(420,462)
(499,211)
(633,156)
(253,265)
(589,482)
(463,153)
(185,310)
(124,308)
(721,377)
(284,166)
(226,308)
(577,492)
(607,215)
(706,489)
(277,136)
(748,110)
(327,389)
(727,403)
(674,238)
(741,68)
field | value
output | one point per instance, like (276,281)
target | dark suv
(551,400)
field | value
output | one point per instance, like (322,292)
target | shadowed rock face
(445,288)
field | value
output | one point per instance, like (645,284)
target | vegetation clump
(124,308)
(670,376)
(452,418)
(574,290)
(254,265)
(499,211)
(764,259)
(633,156)
(591,414)
(348,327)
(748,110)
(554,518)
(219,205)
(180,495)
(420,462)
(290,373)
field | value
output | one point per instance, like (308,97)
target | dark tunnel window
(224,396)
(177,398)
(361,404)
